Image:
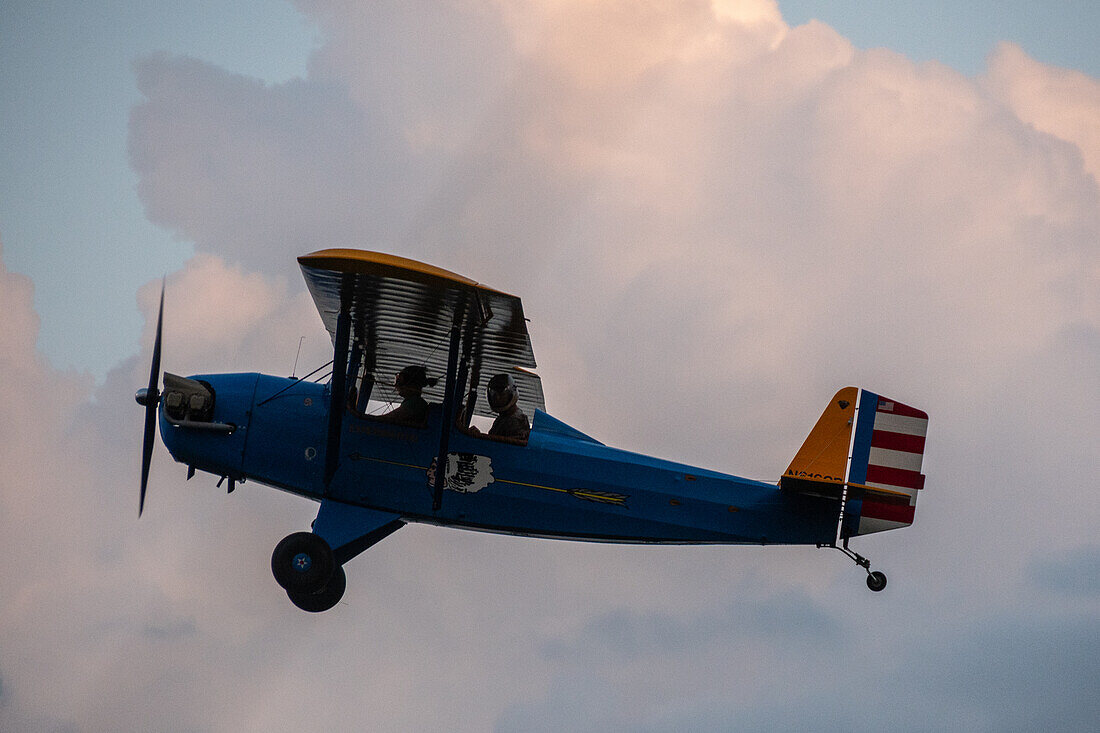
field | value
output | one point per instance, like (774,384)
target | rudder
(887,454)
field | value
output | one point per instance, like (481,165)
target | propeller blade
(147,449)
(152,397)
(154,370)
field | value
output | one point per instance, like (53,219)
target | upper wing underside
(403,311)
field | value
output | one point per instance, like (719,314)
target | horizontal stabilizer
(834,490)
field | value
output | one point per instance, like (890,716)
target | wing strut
(339,394)
(449,397)
(471,362)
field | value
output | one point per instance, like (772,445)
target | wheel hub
(302,562)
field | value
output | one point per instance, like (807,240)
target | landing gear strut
(876,579)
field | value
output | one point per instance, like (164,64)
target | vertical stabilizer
(865,451)
(824,455)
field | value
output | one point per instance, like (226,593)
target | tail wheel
(302,563)
(324,599)
(876,580)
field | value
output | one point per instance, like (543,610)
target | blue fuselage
(561,484)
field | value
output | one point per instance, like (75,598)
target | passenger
(510,422)
(409,383)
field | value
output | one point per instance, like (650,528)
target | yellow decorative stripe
(533,486)
(360,457)
(602,497)
(590,495)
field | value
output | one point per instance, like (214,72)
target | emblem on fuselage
(466,472)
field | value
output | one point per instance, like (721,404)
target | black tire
(302,562)
(326,598)
(876,581)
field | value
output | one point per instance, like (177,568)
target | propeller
(149,398)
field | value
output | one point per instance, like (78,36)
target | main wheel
(302,563)
(876,581)
(324,599)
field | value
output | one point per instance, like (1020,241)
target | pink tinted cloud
(725,217)
(712,230)
(221,317)
(1061,102)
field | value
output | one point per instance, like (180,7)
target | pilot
(510,421)
(409,383)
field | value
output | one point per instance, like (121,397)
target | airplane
(858,471)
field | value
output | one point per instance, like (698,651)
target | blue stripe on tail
(861,452)
(861,446)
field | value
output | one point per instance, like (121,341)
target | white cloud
(714,221)
(217,314)
(1061,102)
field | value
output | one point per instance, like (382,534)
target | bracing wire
(296,381)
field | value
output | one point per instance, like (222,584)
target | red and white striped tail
(887,455)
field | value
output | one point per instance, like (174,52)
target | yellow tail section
(823,458)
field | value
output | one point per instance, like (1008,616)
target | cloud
(1075,573)
(627,635)
(218,134)
(714,220)
(219,314)
(1014,673)
(1003,672)
(1060,102)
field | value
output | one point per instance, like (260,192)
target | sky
(716,213)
